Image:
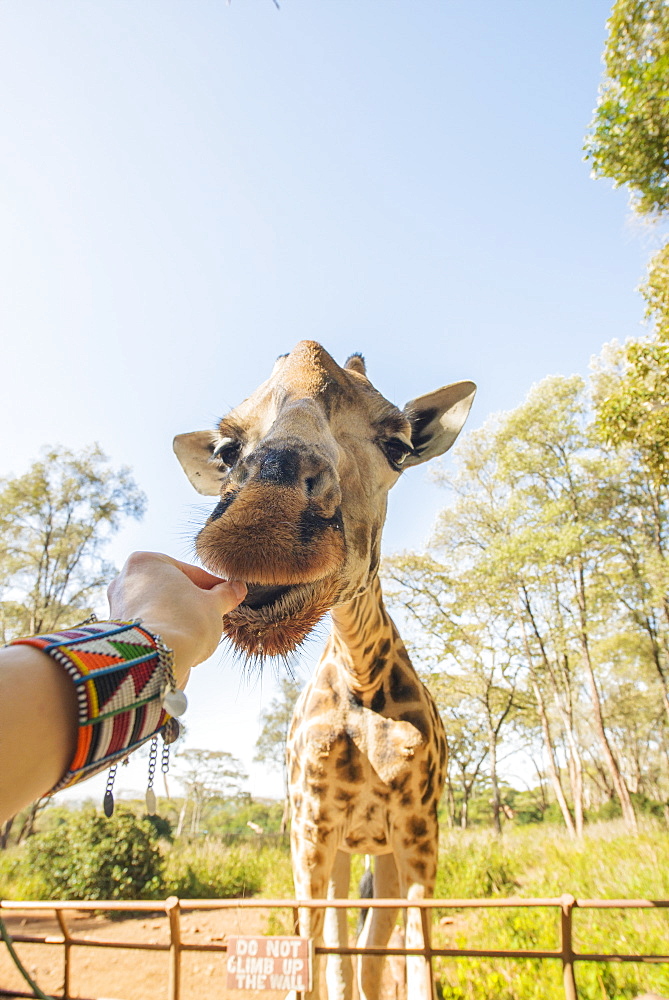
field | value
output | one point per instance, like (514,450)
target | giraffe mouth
(274,620)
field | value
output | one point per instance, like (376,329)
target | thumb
(230,593)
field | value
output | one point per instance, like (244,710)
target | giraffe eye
(397,452)
(227,452)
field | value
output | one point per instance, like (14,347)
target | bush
(92,857)
(210,870)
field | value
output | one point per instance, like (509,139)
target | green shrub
(208,869)
(92,857)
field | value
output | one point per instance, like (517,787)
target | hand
(183,604)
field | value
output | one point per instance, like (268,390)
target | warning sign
(269,963)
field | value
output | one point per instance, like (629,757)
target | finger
(230,594)
(200,577)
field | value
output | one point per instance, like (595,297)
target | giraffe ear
(194,451)
(436,420)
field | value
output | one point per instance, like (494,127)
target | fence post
(173,911)
(65,931)
(568,978)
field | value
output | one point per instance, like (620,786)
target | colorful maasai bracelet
(126,694)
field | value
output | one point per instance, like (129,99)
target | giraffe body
(302,470)
(366,771)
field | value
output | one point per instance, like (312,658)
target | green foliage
(540,862)
(92,857)
(629,135)
(475,866)
(229,818)
(539,613)
(275,723)
(54,522)
(633,408)
(209,777)
(629,143)
(530,861)
(208,870)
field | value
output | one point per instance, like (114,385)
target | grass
(538,862)
(530,861)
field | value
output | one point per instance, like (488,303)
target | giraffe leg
(417,866)
(311,875)
(338,968)
(378,927)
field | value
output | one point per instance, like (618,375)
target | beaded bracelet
(126,694)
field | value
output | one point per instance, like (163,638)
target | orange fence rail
(173,907)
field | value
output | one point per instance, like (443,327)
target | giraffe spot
(417,827)
(354,699)
(407,800)
(401,688)
(341,795)
(420,867)
(378,667)
(312,771)
(384,648)
(399,784)
(353,774)
(418,720)
(360,543)
(378,701)
(223,505)
(428,791)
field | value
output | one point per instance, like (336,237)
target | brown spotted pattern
(301,471)
(366,762)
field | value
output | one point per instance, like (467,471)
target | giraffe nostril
(311,484)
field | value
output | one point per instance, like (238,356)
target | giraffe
(302,470)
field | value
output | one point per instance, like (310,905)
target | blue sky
(188,189)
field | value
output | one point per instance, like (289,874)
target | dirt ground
(120,974)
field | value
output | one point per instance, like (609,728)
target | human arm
(182,604)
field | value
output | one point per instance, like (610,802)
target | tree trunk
(552,766)
(496,802)
(463,810)
(617,779)
(621,788)
(5,830)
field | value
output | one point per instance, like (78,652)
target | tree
(92,857)
(629,135)
(207,776)
(628,142)
(54,523)
(271,743)
(544,594)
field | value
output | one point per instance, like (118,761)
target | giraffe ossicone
(302,470)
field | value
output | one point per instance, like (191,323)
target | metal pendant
(170,731)
(175,702)
(151,802)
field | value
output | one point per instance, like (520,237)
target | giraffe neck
(363,634)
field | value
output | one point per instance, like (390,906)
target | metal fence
(173,908)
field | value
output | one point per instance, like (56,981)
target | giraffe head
(302,469)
